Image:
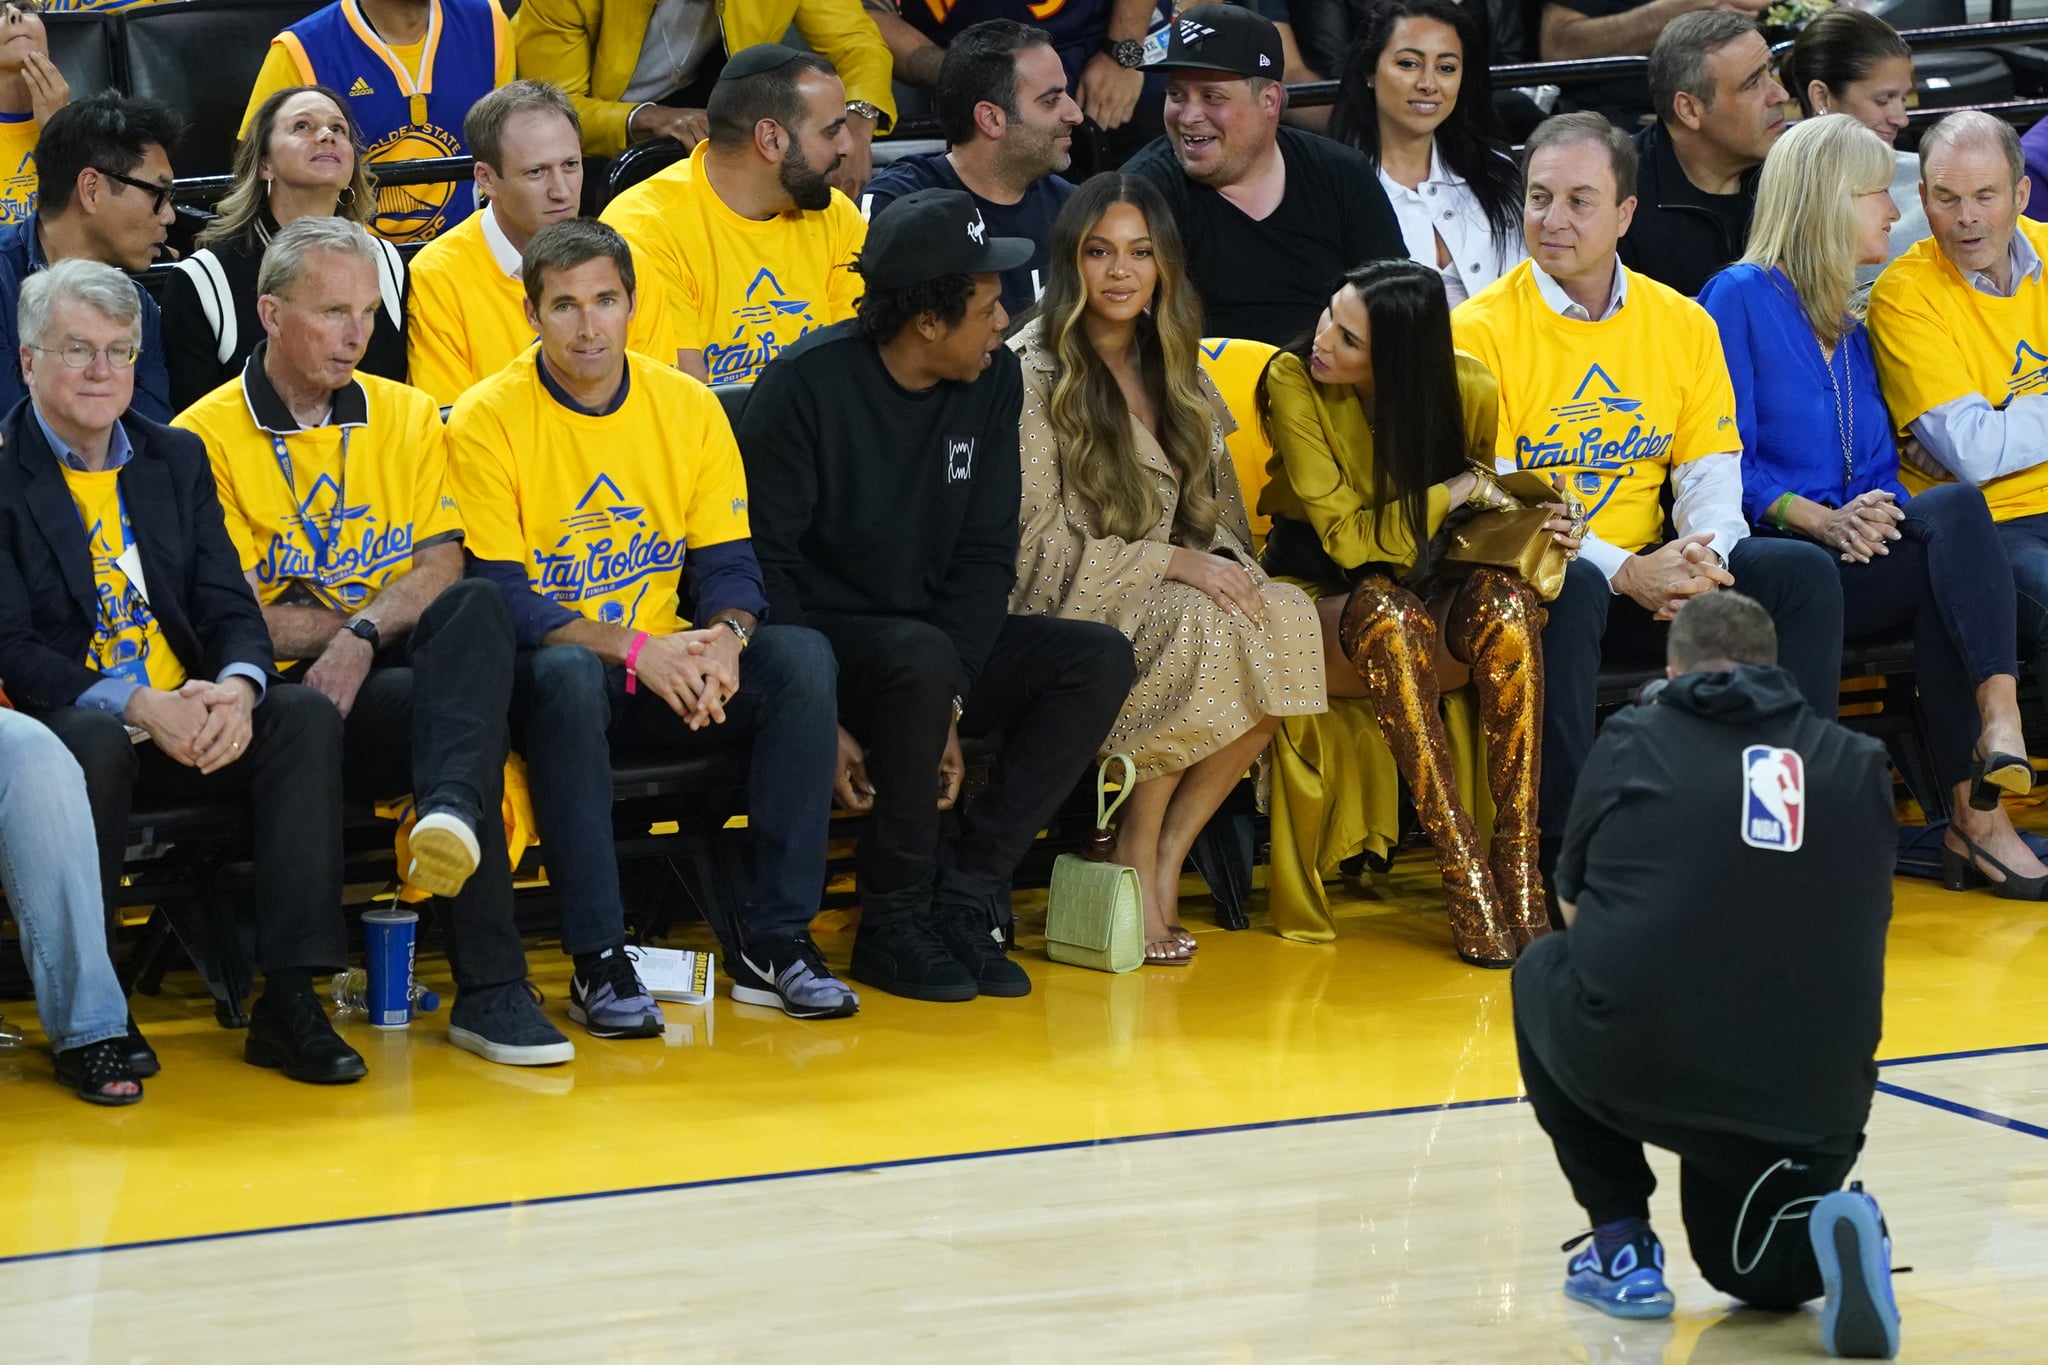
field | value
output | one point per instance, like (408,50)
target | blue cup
(388,938)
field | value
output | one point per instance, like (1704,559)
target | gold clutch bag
(1514,538)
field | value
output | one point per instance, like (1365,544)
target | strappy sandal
(1184,936)
(1166,952)
(94,1069)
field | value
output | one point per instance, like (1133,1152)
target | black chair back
(201,58)
(734,399)
(637,163)
(82,46)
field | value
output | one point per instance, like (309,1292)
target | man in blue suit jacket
(126,626)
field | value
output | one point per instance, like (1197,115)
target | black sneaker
(291,1034)
(504,1024)
(790,974)
(905,958)
(977,945)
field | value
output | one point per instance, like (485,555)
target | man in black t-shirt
(1004,108)
(883,470)
(1719,111)
(1719,992)
(1272,216)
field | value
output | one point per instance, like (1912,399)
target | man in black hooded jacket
(1726,880)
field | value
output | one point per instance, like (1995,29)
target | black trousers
(1794,580)
(291,780)
(1601,1151)
(1051,688)
(430,719)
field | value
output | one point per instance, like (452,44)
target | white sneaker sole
(444,854)
(551,1054)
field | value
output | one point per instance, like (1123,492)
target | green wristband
(1779,507)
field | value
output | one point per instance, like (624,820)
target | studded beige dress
(1205,675)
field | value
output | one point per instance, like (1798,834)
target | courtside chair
(201,58)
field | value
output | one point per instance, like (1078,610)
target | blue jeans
(2026,546)
(1794,580)
(50,867)
(569,709)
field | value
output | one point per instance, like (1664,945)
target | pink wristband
(632,662)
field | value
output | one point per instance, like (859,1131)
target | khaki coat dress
(1205,675)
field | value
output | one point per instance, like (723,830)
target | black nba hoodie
(868,499)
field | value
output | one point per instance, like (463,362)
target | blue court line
(717,1182)
(1968,1111)
(905,1162)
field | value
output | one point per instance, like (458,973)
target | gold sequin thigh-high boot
(1388,636)
(1496,625)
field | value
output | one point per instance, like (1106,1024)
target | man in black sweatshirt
(882,465)
(1726,880)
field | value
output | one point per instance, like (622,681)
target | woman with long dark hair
(1132,516)
(1376,425)
(1416,97)
(302,158)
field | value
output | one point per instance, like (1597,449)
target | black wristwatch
(1128,52)
(366,631)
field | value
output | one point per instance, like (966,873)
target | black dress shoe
(141,1056)
(291,1034)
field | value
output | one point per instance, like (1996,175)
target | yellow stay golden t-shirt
(598,510)
(18,134)
(1615,404)
(1938,339)
(338,529)
(127,642)
(466,317)
(735,288)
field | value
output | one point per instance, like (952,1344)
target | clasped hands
(1860,529)
(852,789)
(203,725)
(695,671)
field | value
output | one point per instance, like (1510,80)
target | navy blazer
(49,607)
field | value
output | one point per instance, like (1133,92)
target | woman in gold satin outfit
(1360,492)
(1131,516)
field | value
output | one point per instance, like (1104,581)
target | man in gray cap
(1272,216)
(882,464)
(744,247)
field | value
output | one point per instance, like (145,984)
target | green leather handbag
(1093,915)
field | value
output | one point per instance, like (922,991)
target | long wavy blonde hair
(241,209)
(1805,221)
(1090,419)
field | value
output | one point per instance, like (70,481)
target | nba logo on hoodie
(1773,799)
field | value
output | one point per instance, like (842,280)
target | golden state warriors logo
(767,323)
(360,550)
(18,191)
(606,553)
(120,642)
(2029,371)
(414,213)
(1598,432)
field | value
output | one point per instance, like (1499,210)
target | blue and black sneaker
(1626,1281)
(1854,1249)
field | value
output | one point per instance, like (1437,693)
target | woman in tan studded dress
(1132,516)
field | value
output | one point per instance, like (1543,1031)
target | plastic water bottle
(11,1039)
(351,995)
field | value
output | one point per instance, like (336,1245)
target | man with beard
(745,244)
(1004,107)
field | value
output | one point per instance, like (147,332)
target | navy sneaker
(790,974)
(1627,1282)
(504,1024)
(611,1002)
(1854,1249)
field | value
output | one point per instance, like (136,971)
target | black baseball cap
(932,233)
(1225,38)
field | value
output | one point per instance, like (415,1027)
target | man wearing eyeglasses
(126,627)
(745,247)
(104,194)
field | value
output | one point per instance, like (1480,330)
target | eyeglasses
(162,193)
(76,355)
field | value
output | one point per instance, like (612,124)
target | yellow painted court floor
(1138,1182)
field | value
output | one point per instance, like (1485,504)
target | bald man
(1959,324)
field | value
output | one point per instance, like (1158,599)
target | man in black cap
(882,459)
(744,247)
(1272,216)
